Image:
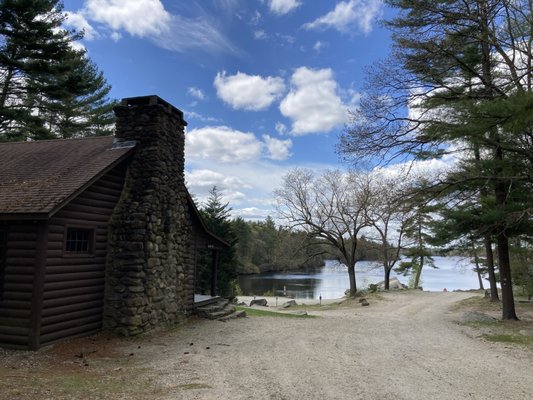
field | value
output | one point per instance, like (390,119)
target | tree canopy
(48,88)
(459,82)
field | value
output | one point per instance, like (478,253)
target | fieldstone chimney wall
(150,266)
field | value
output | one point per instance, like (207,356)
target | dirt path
(403,347)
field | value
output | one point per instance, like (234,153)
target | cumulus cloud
(149,19)
(349,14)
(139,17)
(248,92)
(313,104)
(80,23)
(205,178)
(196,93)
(222,144)
(277,149)
(281,7)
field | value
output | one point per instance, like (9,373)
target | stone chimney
(150,259)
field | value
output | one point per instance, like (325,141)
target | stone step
(218,312)
(236,314)
(211,308)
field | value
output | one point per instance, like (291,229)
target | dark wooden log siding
(74,284)
(16,299)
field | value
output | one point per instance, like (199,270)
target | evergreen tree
(48,89)
(216,216)
(75,103)
(464,69)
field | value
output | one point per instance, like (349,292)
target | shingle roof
(38,177)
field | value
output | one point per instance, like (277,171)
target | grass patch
(526,340)
(480,324)
(478,303)
(265,313)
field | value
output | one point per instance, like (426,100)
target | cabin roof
(37,178)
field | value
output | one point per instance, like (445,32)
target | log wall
(18,271)
(73,296)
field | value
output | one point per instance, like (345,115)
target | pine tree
(216,216)
(75,103)
(465,68)
(48,89)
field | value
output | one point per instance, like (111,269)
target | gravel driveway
(404,346)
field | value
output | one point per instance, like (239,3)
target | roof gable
(37,178)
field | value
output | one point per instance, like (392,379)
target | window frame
(92,240)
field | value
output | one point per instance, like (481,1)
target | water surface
(331,281)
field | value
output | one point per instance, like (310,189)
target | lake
(331,281)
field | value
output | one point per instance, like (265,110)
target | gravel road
(404,347)
(407,345)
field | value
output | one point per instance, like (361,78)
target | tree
(330,207)
(459,82)
(48,89)
(417,228)
(75,102)
(388,213)
(216,216)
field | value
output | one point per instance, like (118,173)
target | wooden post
(214,271)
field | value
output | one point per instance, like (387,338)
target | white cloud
(115,36)
(198,116)
(149,19)
(139,17)
(205,178)
(319,46)
(80,23)
(277,149)
(248,92)
(281,7)
(252,213)
(222,144)
(200,33)
(256,18)
(350,14)
(313,104)
(281,128)
(260,35)
(196,93)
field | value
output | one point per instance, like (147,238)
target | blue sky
(265,85)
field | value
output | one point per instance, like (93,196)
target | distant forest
(262,246)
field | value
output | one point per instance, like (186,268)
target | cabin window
(79,241)
(3,250)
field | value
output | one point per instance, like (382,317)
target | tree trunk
(5,87)
(479,277)
(508,308)
(419,271)
(387,276)
(351,274)
(489,255)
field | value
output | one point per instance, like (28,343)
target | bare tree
(329,206)
(388,213)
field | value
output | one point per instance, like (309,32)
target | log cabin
(100,232)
